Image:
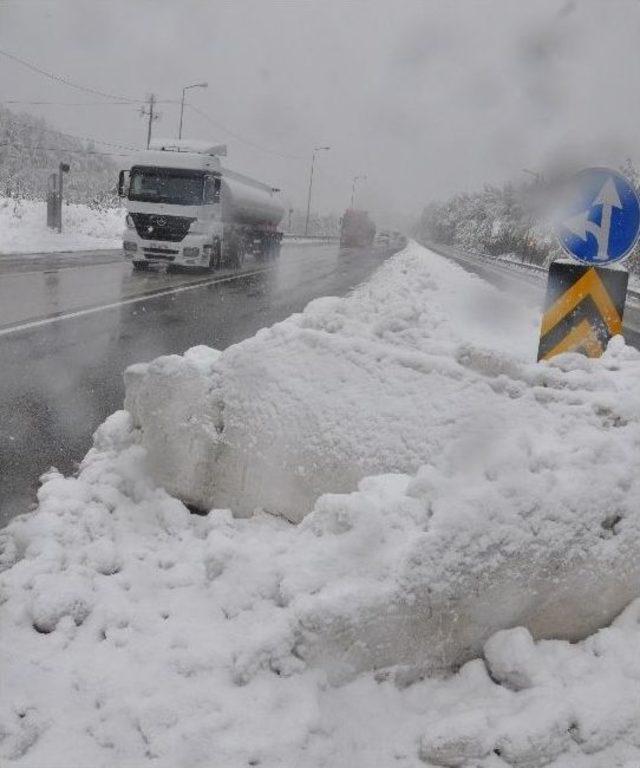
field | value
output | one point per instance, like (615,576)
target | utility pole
(151,114)
(313,162)
(353,188)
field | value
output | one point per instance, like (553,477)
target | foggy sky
(426,98)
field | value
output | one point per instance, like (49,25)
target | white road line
(123,302)
(53,269)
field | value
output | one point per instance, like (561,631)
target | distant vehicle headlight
(129,222)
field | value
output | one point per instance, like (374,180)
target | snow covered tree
(30,151)
(494,221)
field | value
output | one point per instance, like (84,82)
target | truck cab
(184,209)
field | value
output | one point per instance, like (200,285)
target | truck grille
(160,253)
(153,226)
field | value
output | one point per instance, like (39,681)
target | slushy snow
(135,633)
(23,227)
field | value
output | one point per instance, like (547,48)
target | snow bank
(134,632)
(377,382)
(521,474)
(23,227)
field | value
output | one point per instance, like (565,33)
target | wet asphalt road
(530,288)
(70,325)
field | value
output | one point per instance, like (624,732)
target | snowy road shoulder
(135,633)
(23,228)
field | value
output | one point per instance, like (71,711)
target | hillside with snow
(23,227)
(30,150)
(458,590)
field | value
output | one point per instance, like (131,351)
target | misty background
(427,98)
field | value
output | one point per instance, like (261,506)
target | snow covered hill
(383,628)
(31,149)
(23,227)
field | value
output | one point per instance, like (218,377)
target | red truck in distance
(356,229)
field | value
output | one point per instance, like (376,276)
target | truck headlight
(198,227)
(129,222)
(191,253)
(129,246)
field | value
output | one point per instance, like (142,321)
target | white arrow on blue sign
(601,220)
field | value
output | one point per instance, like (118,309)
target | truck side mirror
(123,184)
(212,189)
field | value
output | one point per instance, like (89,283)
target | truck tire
(216,256)
(264,252)
(140,266)
(232,252)
(270,249)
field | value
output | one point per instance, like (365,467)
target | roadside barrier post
(598,225)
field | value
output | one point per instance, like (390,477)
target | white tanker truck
(184,209)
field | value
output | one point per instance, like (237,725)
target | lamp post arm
(181,113)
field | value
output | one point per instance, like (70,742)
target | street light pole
(353,187)
(313,162)
(186,88)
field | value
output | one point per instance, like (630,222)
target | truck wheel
(232,252)
(140,266)
(264,252)
(270,249)
(215,257)
(228,252)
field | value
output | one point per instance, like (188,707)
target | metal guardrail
(504,263)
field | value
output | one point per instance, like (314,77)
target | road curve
(529,287)
(67,332)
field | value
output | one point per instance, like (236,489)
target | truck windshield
(166,185)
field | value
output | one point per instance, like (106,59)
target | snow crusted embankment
(23,227)
(500,493)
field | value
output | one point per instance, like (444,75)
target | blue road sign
(601,219)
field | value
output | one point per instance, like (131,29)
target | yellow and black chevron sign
(583,309)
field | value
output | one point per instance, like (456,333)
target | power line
(241,138)
(86,103)
(126,100)
(90,139)
(67,103)
(64,80)
(22,145)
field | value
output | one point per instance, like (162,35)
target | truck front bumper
(193,251)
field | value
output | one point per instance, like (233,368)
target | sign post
(62,169)
(584,304)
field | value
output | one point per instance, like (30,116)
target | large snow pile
(524,471)
(417,360)
(23,227)
(133,632)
